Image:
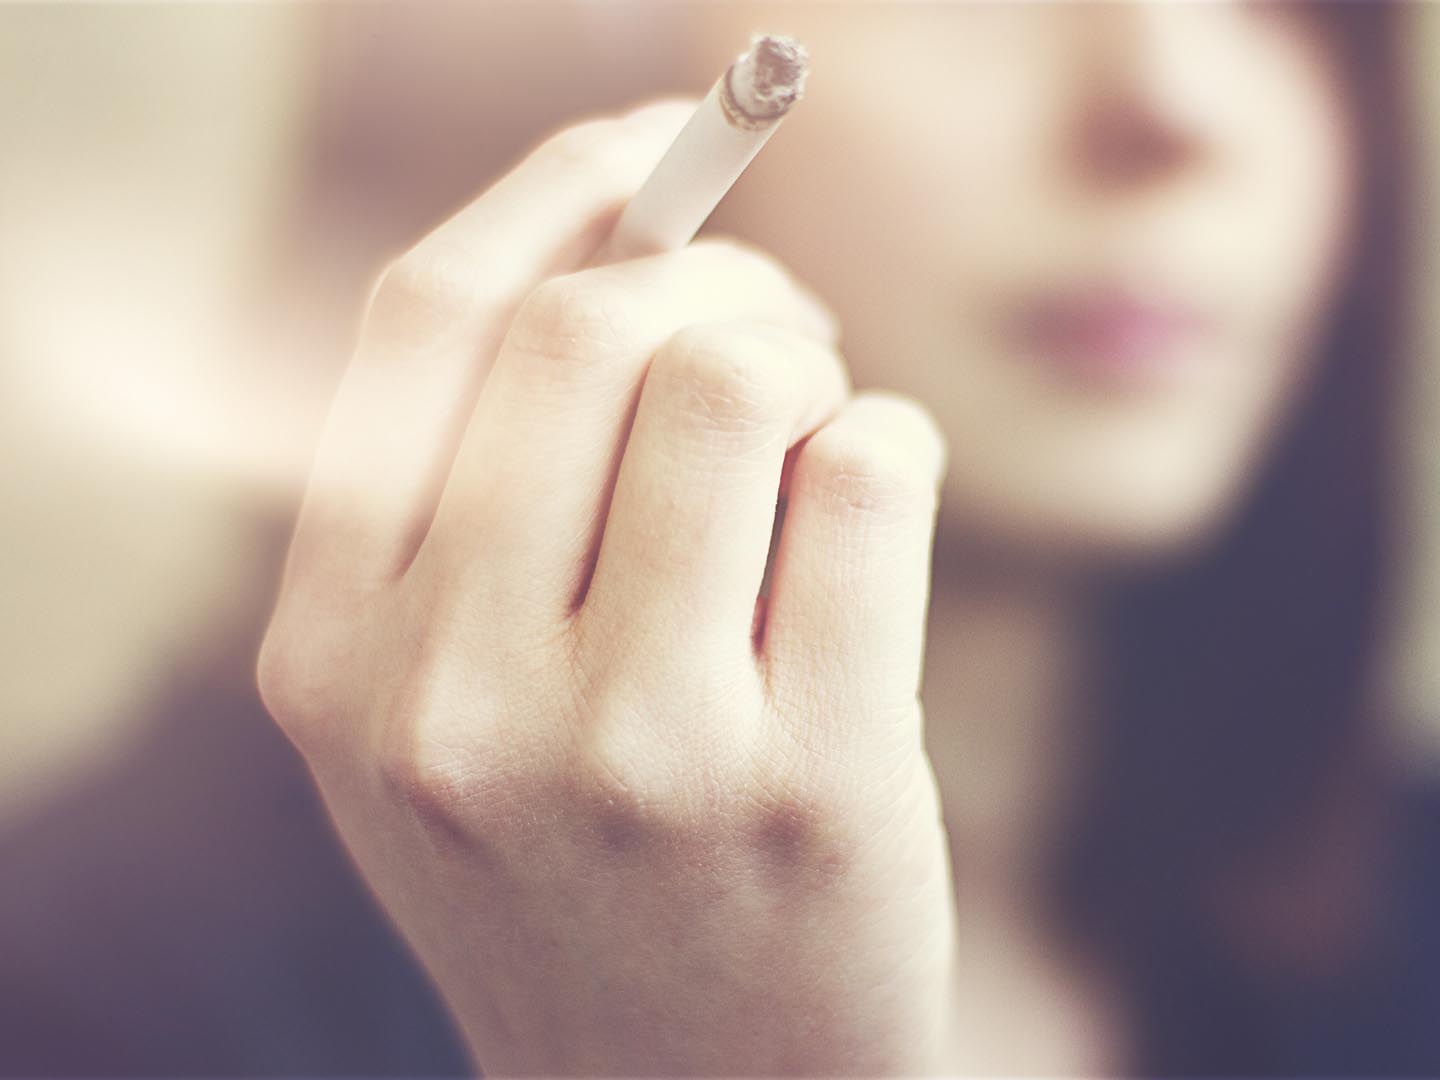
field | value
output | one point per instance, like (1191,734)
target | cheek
(1292,227)
(1286,230)
(904,173)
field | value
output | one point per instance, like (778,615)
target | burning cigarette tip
(767,80)
(742,110)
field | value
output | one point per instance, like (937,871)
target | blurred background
(194,202)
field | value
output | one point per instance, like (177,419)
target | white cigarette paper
(742,110)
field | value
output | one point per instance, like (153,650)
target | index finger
(434,323)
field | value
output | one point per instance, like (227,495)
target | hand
(630,819)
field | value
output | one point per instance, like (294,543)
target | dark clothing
(192,912)
(1379,1016)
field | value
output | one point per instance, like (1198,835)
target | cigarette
(742,110)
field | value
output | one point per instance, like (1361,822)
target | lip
(1109,330)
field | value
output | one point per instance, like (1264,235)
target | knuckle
(435,783)
(458,742)
(730,246)
(624,795)
(757,261)
(294,688)
(758,266)
(428,286)
(666,109)
(589,143)
(435,752)
(574,317)
(725,378)
(801,820)
(277,678)
(863,473)
(752,259)
(639,784)
(446,779)
(914,416)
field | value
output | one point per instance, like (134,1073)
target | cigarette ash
(766,81)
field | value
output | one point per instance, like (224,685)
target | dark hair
(1235,744)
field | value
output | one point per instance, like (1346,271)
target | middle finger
(522,512)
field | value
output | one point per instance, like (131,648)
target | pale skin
(633,822)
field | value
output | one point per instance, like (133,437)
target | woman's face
(1099,241)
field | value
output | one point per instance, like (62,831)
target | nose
(1151,98)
